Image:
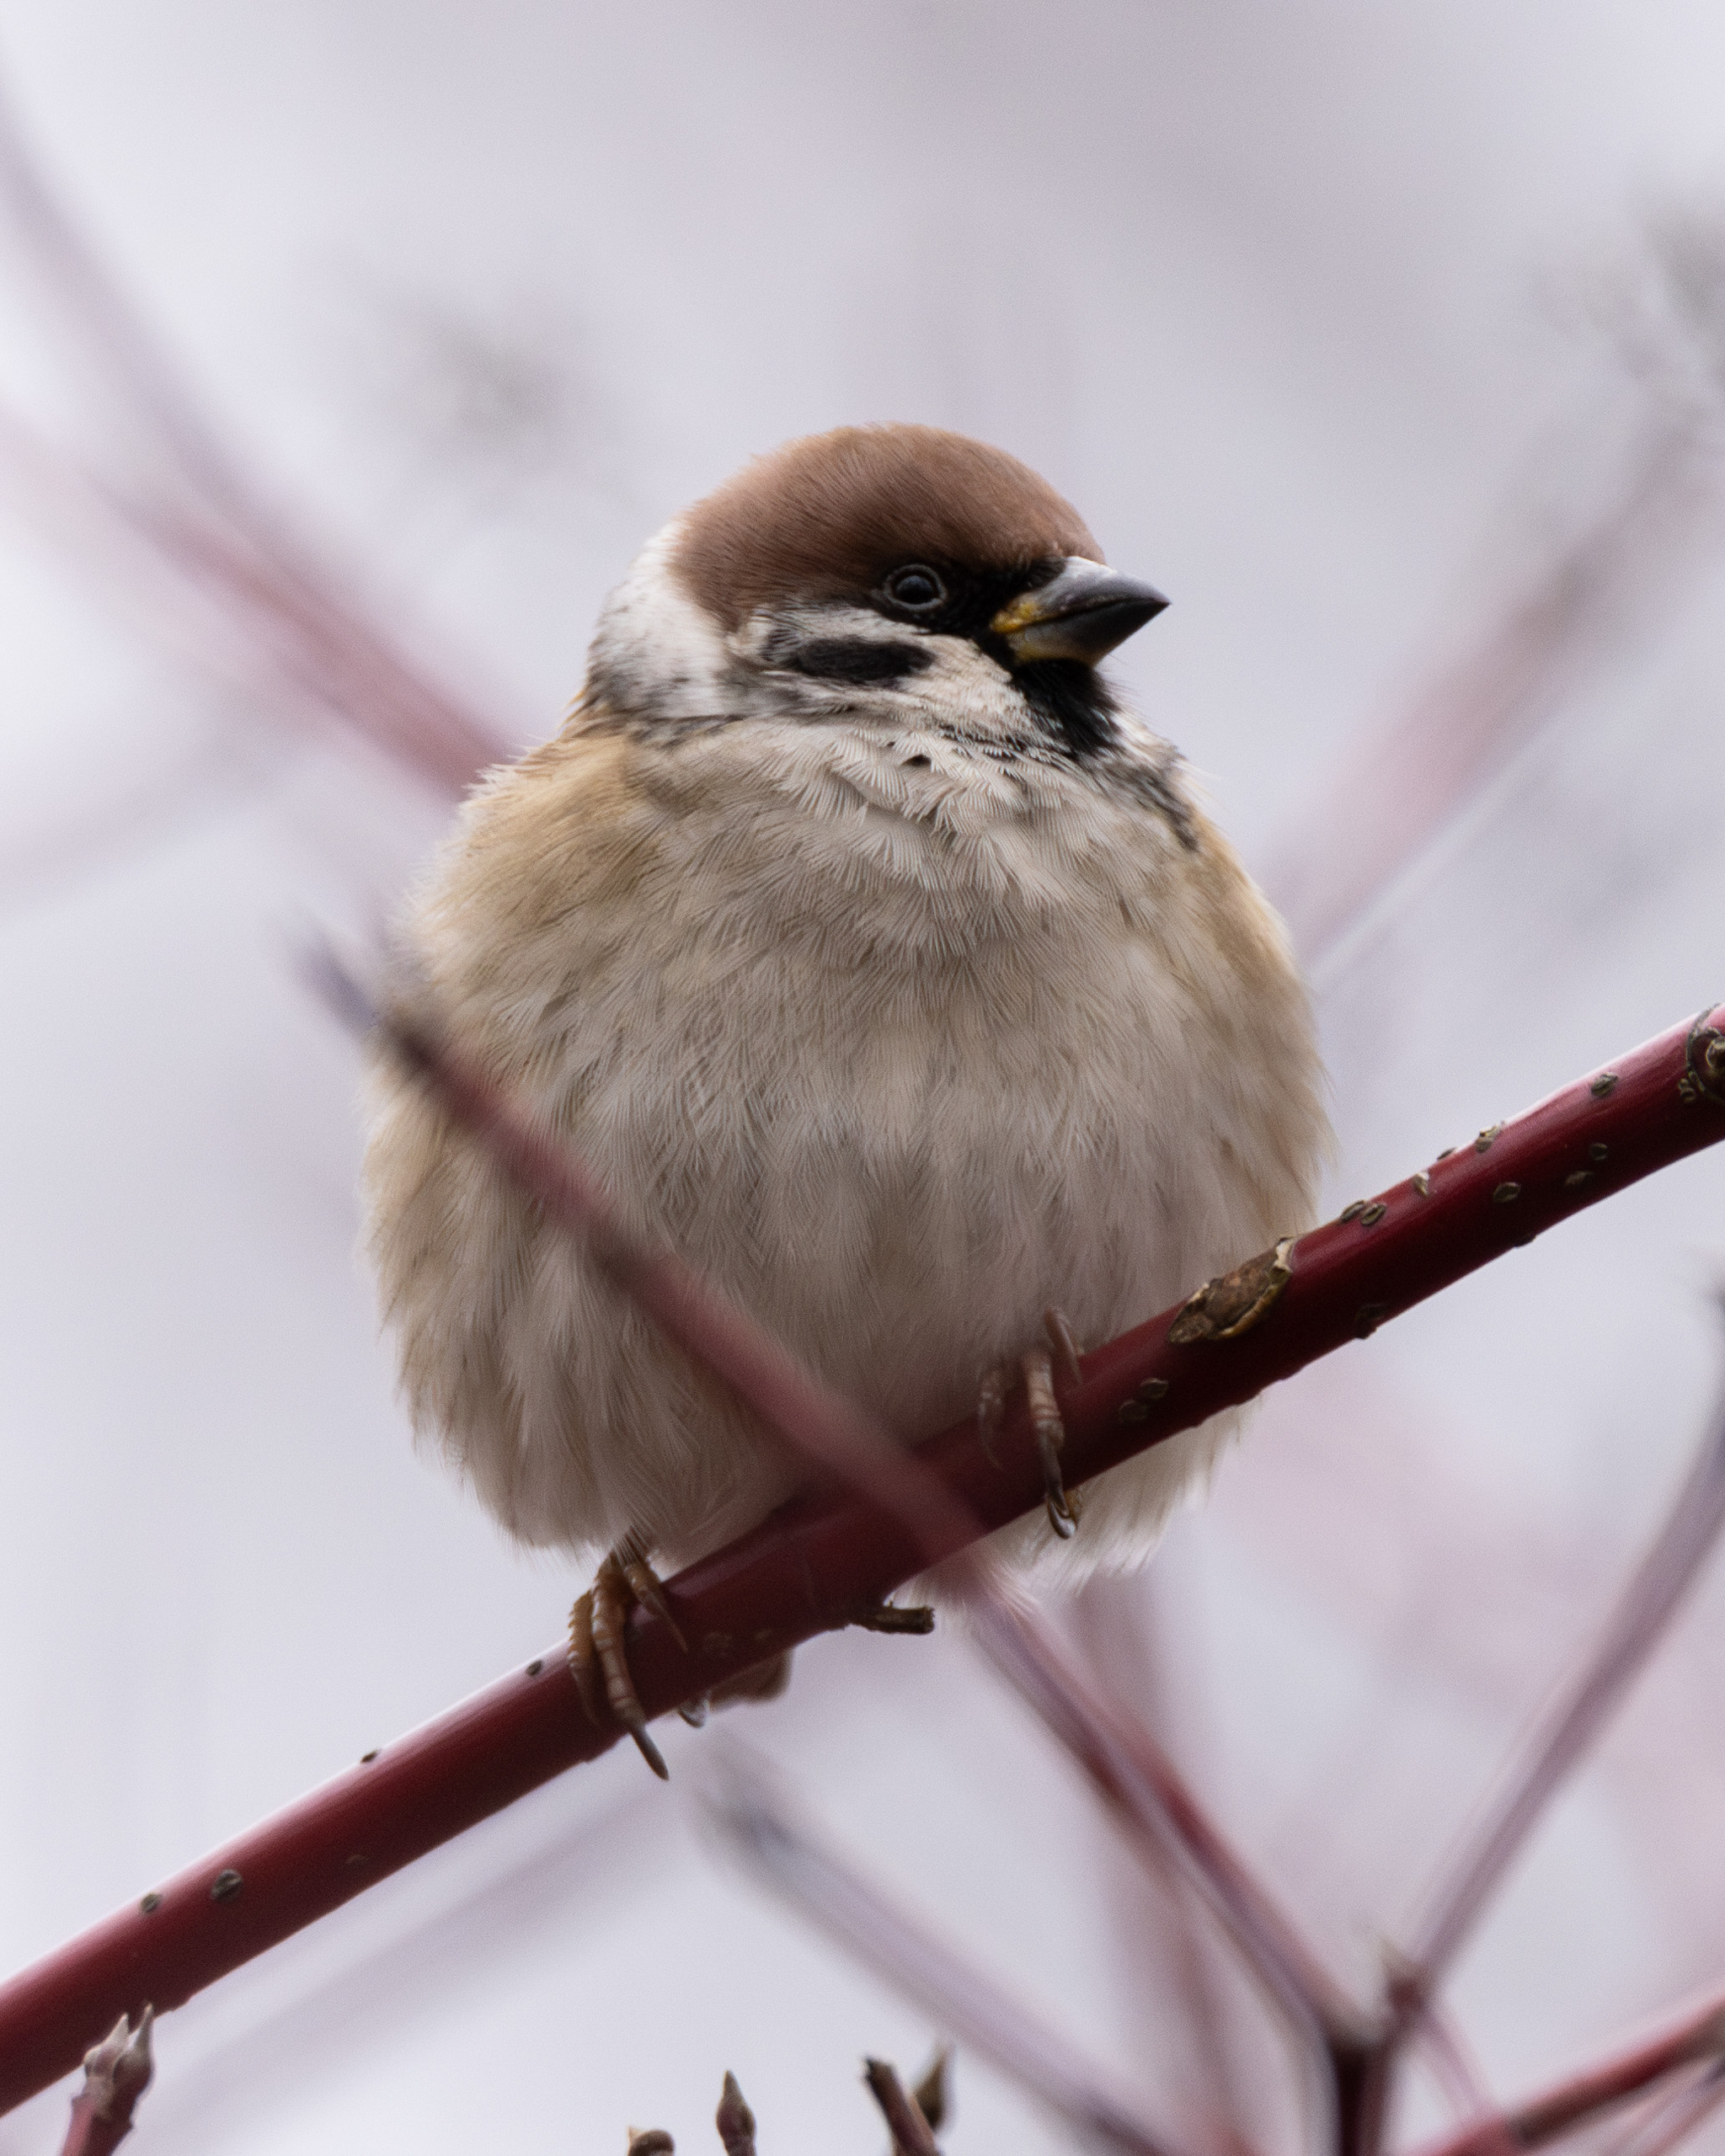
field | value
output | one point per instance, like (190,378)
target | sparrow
(885,967)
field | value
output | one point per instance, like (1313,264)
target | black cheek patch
(857,658)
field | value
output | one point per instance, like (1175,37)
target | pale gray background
(1285,297)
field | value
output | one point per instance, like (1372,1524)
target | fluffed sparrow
(883,968)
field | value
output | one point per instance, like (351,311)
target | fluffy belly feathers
(895,1130)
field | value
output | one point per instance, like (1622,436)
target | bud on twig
(117,2071)
(734,2120)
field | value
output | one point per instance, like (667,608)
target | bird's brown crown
(833,513)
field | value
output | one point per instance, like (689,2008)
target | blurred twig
(1626,559)
(1167,1940)
(1685,2112)
(761,1825)
(178,504)
(1404,783)
(1575,1719)
(1562,1736)
(1695,2037)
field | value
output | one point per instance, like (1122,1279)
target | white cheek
(965,678)
(655,649)
(960,684)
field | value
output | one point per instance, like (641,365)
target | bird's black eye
(915,588)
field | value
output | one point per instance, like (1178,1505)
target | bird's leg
(1051,1437)
(598,1642)
(1036,1371)
(1045,1415)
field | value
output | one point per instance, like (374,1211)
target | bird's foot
(1036,1372)
(598,1642)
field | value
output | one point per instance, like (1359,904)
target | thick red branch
(819,1559)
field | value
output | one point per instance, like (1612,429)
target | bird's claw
(1036,1370)
(598,1655)
(1050,1439)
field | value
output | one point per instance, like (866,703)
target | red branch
(820,1558)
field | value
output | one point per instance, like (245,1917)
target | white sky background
(487,294)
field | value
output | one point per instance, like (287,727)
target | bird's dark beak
(1082,613)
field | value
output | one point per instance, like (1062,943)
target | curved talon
(597,1626)
(1037,1369)
(1051,1437)
(580,1658)
(1063,1341)
(694,1711)
(637,1727)
(1062,1514)
(645,1585)
(1061,1509)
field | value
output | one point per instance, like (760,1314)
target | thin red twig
(1695,2035)
(1684,2113)
(1560,1738)
(822,1557)
(1576,1718)
(1452,2063)
(1167,1942)
(1122,1762)
(1143,1790)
